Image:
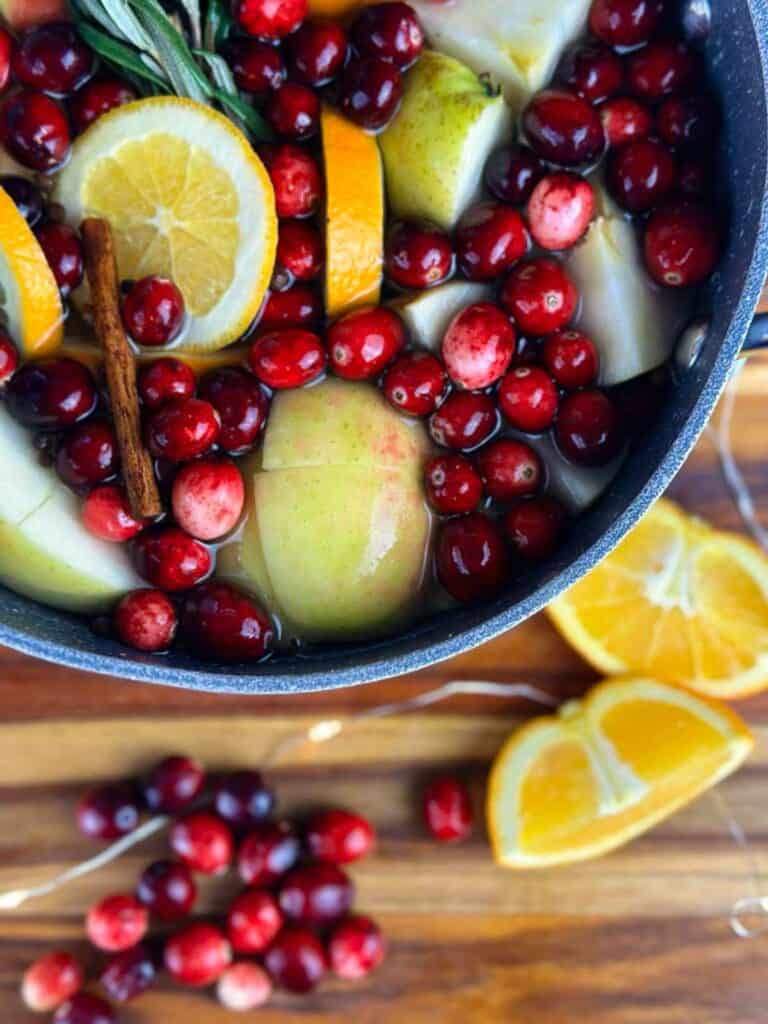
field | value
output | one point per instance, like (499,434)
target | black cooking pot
(736,52)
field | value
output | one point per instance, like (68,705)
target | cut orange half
(29,296)
(574,785)
(354,228)
(678,601)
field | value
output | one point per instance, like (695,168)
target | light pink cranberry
(244,986)
(560,210)
(478,346)
(51,980)
(208,497)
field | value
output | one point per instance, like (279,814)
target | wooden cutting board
(640,937)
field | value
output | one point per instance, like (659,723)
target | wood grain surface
(639,937)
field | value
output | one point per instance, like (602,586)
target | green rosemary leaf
(218,24)
(179,65)
(222,79)
(254,122)
(117,18)
(192,8)
(119,54)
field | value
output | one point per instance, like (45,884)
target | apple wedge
(427,314)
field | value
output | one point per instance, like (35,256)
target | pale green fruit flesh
(427,314)
(436,147)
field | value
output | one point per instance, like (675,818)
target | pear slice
(437,144)
(517,43)
(427,314)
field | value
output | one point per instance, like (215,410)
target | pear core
(337,532)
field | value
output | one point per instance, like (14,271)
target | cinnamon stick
(120,366)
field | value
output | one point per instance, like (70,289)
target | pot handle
(757,335)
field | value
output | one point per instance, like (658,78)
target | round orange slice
(574,785)
(354,215)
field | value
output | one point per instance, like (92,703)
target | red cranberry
(197,955)
(109,812)
(528,398)
(512,172)
(660,69)
(99,97)
(418,255)
(540,296)
(571,358)
(63,253)
(170,559)
(153,311)
(253,921)
(478,346)
(242,406)
(182,429)
(509,469)
(490,237)
(300,250)
(117,922)
(362,343)
(25,194)
(640,174)
(338,837)
(270,19)
(686,120)
(243,986)
(533,527)
(318,51)
(593,72)
(88,454)
(624,22)
(49,981)
(293,110)
(203,842)
(51,393)
(167,889)
(560,210)
(682,245)
(9,358)
(164,379)
(447,810)
(53,58)
(371,90)
(208,496)
(296,960)
(389,30)
(317,896)
(298,306)
(471,559)
(256,67)
(295,177)
(243,799)
(625,119)
(6,53)
(415,383)
(173,784)
(146,620)
(84,1008)
(588,428)
(219,621)
(464,420)
(287,359)
(34,129)
(563,128)
(128,974)
(355,948)
(453,485)
(267,853)
(107,514)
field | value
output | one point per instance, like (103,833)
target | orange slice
(354,215)
(574,785)
(678,601)
(29,296)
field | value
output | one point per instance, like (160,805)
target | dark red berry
(540,296)
(84,1008)
(687,120)
(362,343)
(528,398)
(182,429)
(338,837)
(287,359)
(588,428)
(117,922)
(50,981)
(243,799)
(35,130)
(242,406)
(560,210)
(490,237)
(99,97)
(129,974)
(63,253)
(267,852)
(295,177)
(298,306)
(571,358)
(371,90)
(418,255)
(593,72)
(53,58)
(415,383)
(355,948)
(478,346)
(270,19)
(389,30)
(293,111)
(253,921)
(203,842)
(170,559)
(296,960)
(659,69)
(464,420)
(447,810)
(300,250)
(153,311)
(453,485)
(146,620)
(624,22)
(107,514)
(221,622)
(471,558)
(318,50)
(164,379)
(256,67)
(682,245)
(625,119)
(88,453)
(316,896)
(640,174)
(563,128)
(173,784)
(509,469)
(25,194)
(197,955)
(534,526)
(167,888)
(51,393)
(109,812)
(512,173)
(6,54)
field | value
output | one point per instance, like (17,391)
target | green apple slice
(427,314)
(436,146)
(24,483)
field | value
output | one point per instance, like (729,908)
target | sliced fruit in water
(427,314)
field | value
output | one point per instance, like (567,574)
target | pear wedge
(427,314)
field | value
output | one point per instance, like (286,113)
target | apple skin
(437,144)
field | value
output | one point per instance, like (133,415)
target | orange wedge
(354,215)
(29,296)
(574,785)
(678,601)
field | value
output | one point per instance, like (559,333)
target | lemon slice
(186,197)
(574,785)
(29,296)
